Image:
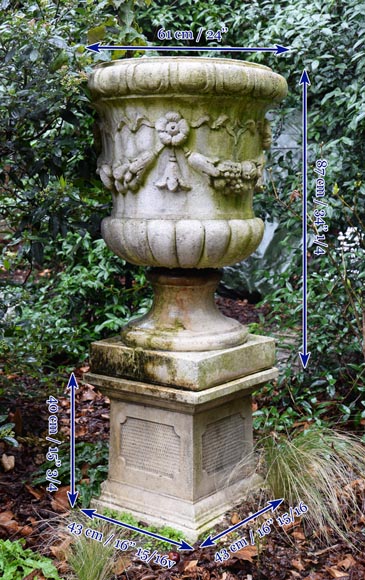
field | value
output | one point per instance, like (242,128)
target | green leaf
(95,34)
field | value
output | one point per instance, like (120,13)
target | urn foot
(184,316)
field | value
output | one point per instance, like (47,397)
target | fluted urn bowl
(183,143)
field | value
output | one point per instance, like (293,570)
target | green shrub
(48,184)
(56,315)
(92,457)
(16,563)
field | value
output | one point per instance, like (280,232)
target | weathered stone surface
(188,370)
(175,456)
(183,163)
(183,243)
(184,316)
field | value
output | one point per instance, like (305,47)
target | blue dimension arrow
(181,545)
(271,505)
(72,495)
(277,50)
(304,356)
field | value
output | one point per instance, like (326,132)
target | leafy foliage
(48,186)
(17,563)
(88,456)
(55,318)
(6,431)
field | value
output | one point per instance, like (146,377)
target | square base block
(178,458)
(187,370)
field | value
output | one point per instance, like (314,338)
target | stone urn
(183,143)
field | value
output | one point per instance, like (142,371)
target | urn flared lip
(180,58)
(186,75)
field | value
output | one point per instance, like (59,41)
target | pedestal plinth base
(175,455)
(195,371)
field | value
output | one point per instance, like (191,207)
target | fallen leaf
(61,549)
(84,369)
(105,416)
(298,565)
(121,564)
(235,518)
(8,523)
(60,501)
(38,494)
(347,562)
(81,430)
(290,526)
(337,573)
(246,553)
(34,574)
(298,535)
(295,574)
(88,395)
(27,530)
(63,569)
(356,483)
(191,565)
(8,462)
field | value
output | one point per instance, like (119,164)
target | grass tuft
(89,559)
(323,468)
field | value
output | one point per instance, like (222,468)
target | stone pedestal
(174,454)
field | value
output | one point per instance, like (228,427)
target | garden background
(61,287)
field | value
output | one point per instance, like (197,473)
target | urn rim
(205,59)
(184,75)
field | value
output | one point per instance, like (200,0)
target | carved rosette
(183,153)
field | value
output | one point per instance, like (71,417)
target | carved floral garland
(228,177)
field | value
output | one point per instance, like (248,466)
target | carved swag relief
(226,176)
